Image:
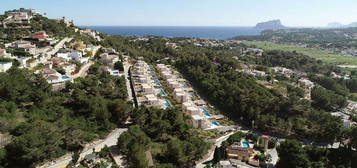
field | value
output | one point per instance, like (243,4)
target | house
(190,109)
(147,89)
(4,66)
(180,95)
(152,100)
(199,122)
(237,152)
(263,142)
(109,60)
(174,84)
(64,56)
(53,77)
(58,61)
(40,36)
(25,45)
(166,75)
(78,56)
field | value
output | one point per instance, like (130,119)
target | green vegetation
(241,97)
(293,155)
(119,66)
(46,124)
(325,56)
(166,134)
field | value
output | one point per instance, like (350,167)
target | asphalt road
(110,140)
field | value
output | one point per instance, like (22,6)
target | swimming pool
(115,73)
(66,77)
(167,103)
(216,123)
(245,144)
(207,114)
(162,92)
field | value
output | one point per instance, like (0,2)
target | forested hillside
(46,124)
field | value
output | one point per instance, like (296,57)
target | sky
(294,13)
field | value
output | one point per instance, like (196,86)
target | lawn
(322,55)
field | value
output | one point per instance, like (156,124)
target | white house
(200,122)
(152,100)
(64,56)
(4,66)
(147,89)
(78,56)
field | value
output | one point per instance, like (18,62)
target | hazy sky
(193,12)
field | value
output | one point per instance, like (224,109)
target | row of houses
(182,93)
(288,72)
(147,87)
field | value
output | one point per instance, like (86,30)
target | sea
(178,31)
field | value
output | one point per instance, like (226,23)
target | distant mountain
(272,24)
(335,25)
(340,25)
(354,24)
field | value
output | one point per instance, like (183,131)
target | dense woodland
(293,155)
(46,124)
(166,135)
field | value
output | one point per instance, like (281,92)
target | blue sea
(177,31)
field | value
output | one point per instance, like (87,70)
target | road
(58,46)
(127,66)
(218,143)
(83,71)
(110,141)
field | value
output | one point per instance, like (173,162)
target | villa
(152,100)
(40,36)
(200,122)
(174,84)
(241,153)
(109,60)
(147,89)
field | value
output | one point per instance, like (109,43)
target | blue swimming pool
(245,144)
(207,114)
(167,104)
(115,73)
(162,92)
(66,77)
(216,123)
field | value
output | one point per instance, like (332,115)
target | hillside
(342,41)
